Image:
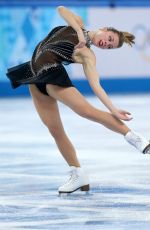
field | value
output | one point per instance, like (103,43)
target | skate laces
(73,175)
(136,142)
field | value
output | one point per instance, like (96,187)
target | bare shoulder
(83,55)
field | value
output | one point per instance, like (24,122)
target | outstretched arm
(89,66)
(71,18)
(75,22)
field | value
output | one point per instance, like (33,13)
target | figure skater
(49,82)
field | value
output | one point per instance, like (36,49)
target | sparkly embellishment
(60,54)
(56,43)
(32,78)
(32,70)
(38,50)
(55,34)
(58,47)
(46,67)
(87,38)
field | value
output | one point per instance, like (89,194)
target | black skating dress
(48,60)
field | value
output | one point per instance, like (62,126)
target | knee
(55,131)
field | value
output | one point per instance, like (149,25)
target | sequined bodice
(56,49)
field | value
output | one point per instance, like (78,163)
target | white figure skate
(78,180)
(138,142)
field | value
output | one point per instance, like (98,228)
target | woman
(49,83)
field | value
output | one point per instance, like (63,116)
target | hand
(81,38)
(122,115)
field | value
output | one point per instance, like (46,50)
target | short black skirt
(22,74)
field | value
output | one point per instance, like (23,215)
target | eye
(110,39)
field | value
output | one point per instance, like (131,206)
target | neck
(91,34)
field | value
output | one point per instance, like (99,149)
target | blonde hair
(124,37)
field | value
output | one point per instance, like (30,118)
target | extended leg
(72,98)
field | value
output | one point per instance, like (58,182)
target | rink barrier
(96,3)
(112,86)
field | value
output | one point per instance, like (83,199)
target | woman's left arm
(89,66)
(75,21)
(70,17)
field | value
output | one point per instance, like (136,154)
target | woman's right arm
(75,22)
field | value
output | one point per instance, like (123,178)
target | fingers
(123,115)
(127,113)
(126,117)
(124,112)
(129,116)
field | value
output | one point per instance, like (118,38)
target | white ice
(32,169)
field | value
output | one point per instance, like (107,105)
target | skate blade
(147,150)
(84,188)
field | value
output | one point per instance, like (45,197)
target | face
(106,39)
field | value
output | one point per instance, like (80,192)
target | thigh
(71,97)
(46,107)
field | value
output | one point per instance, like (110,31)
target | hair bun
(128,38)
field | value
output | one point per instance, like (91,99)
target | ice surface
(32,169)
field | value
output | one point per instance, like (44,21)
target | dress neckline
(87,37)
